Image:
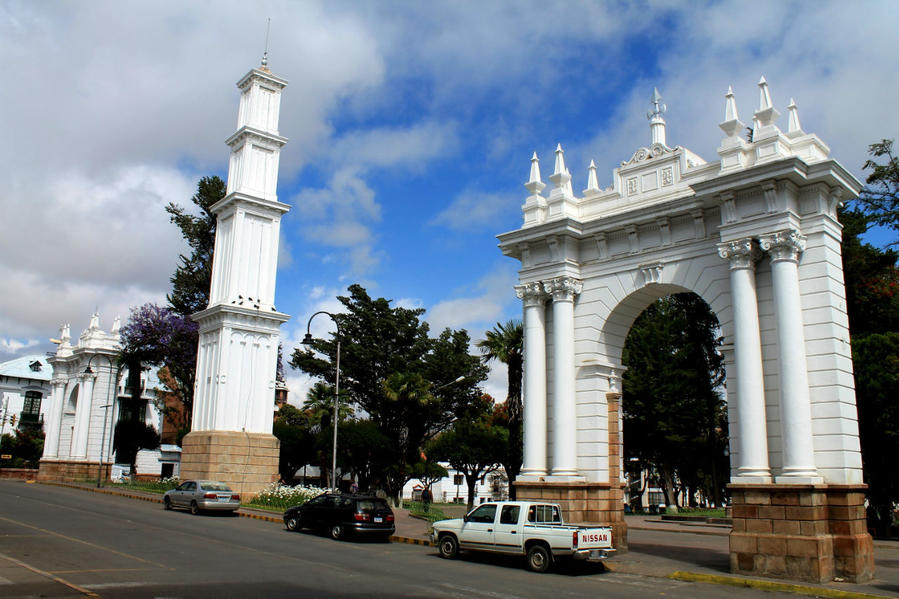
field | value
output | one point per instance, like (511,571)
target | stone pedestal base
(69,471)
(804,532)
(582,503)
(245,461)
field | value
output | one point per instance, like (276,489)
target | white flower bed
(279,495)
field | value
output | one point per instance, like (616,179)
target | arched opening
(72,402)
(674,415)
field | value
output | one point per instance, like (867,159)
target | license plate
(378,519)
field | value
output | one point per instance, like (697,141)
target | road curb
(768,585)
(412,541)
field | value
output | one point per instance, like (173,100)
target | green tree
(381,343)
(293,429)
(871,277)
(504,343)
(674,415)
(473,447)
(364,451)
(191,280)
(876,362)
(131,436)
(872,304)
(879,201)
(428,471)
(26,446)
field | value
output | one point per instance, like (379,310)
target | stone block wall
(804,532)
(68,471)
(246,461)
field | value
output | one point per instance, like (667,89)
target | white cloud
(472,210)
(479,312)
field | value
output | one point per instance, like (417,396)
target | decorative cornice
(783,245)
(563,289)
(742,253)
(266,139)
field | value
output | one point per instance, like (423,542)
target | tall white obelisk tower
(231,437)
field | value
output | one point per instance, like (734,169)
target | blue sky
(411,126)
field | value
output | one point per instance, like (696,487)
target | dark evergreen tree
(190,283)
(674,415)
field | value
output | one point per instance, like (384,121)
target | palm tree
(504,343)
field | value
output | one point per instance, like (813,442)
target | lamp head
(88,370)
(307,340)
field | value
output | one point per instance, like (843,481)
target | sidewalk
(660,548)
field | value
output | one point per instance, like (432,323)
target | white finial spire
(793,111)
(592,184)
(730,105)
(116,326)
(535,185)
(268,26)
(656,122)
(560,160)
(732,124)
(561,178)
(535,169)
(95,321)
(766,114)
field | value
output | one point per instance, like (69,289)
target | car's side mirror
(465,519)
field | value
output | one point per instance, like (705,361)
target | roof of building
(31,366)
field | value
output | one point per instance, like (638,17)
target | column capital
(531,294)
(87,376)
(741,253)
(563,289)
(58,381)
(783,245)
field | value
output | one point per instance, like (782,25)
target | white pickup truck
(522,528)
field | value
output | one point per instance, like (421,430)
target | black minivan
(342,514)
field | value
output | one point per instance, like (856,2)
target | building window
(32,403)
(35,366)
(131,410)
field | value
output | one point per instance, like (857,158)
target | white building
(24,389)
(452,488)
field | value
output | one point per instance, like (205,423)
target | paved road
(61,542)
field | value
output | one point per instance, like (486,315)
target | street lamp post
(307,340)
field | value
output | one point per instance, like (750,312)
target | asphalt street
(62,542)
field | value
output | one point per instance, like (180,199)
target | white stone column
(752,432)
(54,417)
(83,416)
(563,290)
(784,247)
(534,300)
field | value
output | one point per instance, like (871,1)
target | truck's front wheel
(448,546)
(539,558)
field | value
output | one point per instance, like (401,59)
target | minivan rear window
(367,505)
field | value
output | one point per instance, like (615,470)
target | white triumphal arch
(754,234)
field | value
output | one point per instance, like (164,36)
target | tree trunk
(669,491)
(471,481)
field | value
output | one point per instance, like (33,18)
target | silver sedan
(199,495)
